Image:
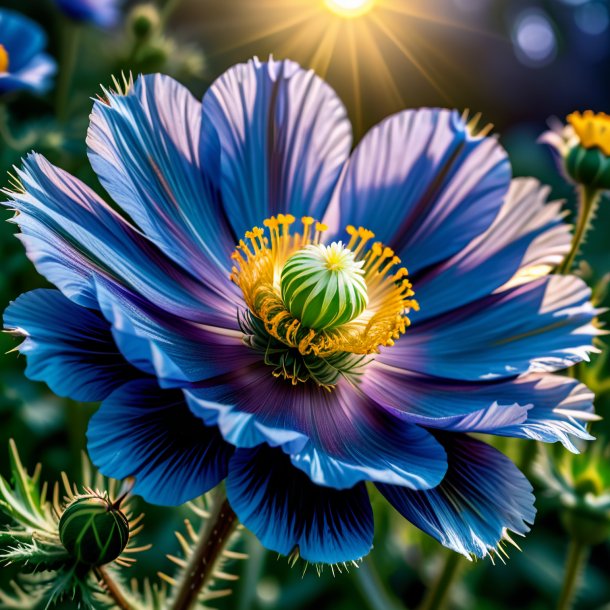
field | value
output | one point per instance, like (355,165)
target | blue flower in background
(103,13)
(244,216)
(23,64)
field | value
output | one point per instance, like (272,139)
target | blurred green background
(518,62)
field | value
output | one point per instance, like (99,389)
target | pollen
(593,130)
(4,59)
(376,313)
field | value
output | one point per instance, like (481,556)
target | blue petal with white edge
(149,433)
(337,438)
(541,326)
(549,408)
(483,497)
(275,138)
(68,347)
(526,241)
(144,147)
(424,185)
(287,512)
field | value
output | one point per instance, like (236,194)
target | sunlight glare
(350,8)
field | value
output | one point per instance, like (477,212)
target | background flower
(23,64)
(103,13)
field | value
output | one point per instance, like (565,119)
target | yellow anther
(307,220)
(321,227)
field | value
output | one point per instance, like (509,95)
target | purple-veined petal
(284,509)
(275,138)
(526,241)
(144,146)
(149,433)
(542,326)
(424,185)
(338,438)
(481,499)
(68,347)
(545,407)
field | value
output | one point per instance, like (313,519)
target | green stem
(437,594)
(588,200)
(214,536)
(575,564)
(113,589)
(71,33)
(375,594)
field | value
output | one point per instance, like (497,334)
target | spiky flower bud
(323,286)
(93,530)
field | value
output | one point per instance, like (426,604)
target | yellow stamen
(593,130)
(259,263)
(4,59)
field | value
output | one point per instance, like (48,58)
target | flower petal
(338,438)
(149,433)
(144,147)
(526,241)
(100,261)
(275,138)
(541,326)
(34,76)
(68,347)
(482,497)
(548,408)
(285,510)
(424,185)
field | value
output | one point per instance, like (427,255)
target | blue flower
(23,64)
(103,13)
(171,313)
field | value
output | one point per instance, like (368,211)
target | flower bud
(93,530)
(323,286)
(587,153)
(144,21)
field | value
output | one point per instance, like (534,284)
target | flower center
(4,59)
(321,302)
(593,130)
(323,286)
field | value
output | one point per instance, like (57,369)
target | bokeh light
(534,38)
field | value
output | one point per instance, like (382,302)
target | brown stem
(113,589)
(213,537)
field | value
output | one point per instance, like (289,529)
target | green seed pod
(323,286)
(93,531)
(588,166)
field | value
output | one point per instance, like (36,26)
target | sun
(350,8)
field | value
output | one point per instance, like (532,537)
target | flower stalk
(437,594)
(588,201)
(214,536)
(113,589)
(578,553)
(71,34)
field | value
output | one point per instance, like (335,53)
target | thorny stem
(214,536)
(588,200)
(113,589)
(575,564)
(437,594)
